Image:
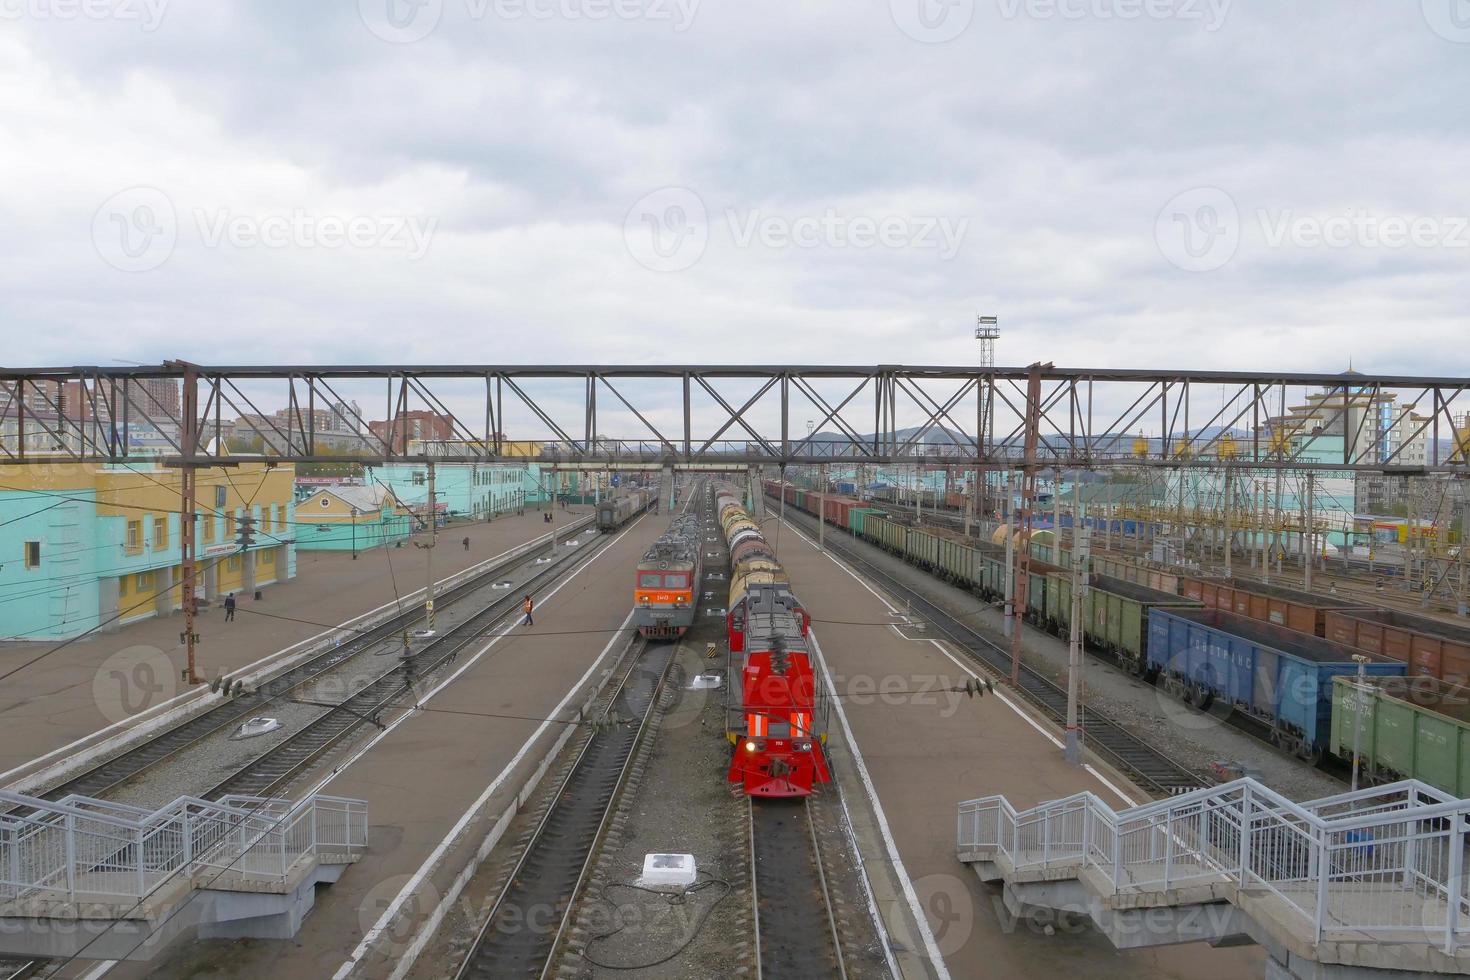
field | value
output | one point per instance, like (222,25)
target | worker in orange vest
(528,605)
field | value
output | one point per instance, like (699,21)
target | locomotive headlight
(801,745)
(750,746)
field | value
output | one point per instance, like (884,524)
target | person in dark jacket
(230,608)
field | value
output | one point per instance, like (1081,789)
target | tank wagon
(775,717)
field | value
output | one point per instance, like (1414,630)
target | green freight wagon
(1416,727)
(922,548)
(886,534)
(1114,614)
(857,519)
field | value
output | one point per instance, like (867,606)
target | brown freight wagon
(1305,612)
(1428,646)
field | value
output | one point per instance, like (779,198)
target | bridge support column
(756,493)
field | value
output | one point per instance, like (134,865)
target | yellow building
(101,545)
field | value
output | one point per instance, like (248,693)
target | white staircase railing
(84,850)
(1384,864)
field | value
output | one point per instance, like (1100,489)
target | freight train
(776,716)
(664,588)
(1237,646)
(614,512)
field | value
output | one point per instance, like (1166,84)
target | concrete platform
(441,784)
(109,678)
(927,749)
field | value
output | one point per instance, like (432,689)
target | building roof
(373,497)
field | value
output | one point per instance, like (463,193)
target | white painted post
(138,855)
(71,858)
(1168,846)
(1456,883)
(1245,834)
(1324,871)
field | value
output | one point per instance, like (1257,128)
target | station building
(87,546)
(351,518)
(476,491)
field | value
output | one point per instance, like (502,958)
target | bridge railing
(1388,863)
(82,850)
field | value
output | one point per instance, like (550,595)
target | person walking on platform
(528,605)
(467,543)
(230,608)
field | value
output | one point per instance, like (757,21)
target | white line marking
(936,958)
(163,706)
(371,936)
(1004,699)
(419,875)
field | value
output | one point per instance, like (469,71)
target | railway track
(272,771)
(128,765)
(795,931)
(524,929)
(18,969)
(1141,761)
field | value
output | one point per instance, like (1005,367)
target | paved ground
(107,677)
(926,752)
(424,774)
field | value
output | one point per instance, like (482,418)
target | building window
(233,563)
(418,479)
(33,554)
(160,532)
(135,535)
(219,496)
(122,586)
(143,581)
(269,556)
(208,521)
(326,502)
(230,526)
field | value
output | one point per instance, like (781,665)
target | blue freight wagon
(1219,661)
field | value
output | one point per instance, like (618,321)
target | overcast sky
(1157,183)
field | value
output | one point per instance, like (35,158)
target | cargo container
(1415,728)
(1305,612)
(1279,676)
(1135,570)
(1114,615)
(1431,648)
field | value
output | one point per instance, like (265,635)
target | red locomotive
(776,715)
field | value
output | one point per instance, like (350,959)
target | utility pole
(1309,539)
(1359,689)
(1006,522)
(429,563)
(822,512)
(1023,528)
(189,514)
(1229,528)
(1081,581)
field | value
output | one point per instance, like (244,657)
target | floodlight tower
(987,331)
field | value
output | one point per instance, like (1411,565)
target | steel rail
(551,870)
(796,905)
(1130,753)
